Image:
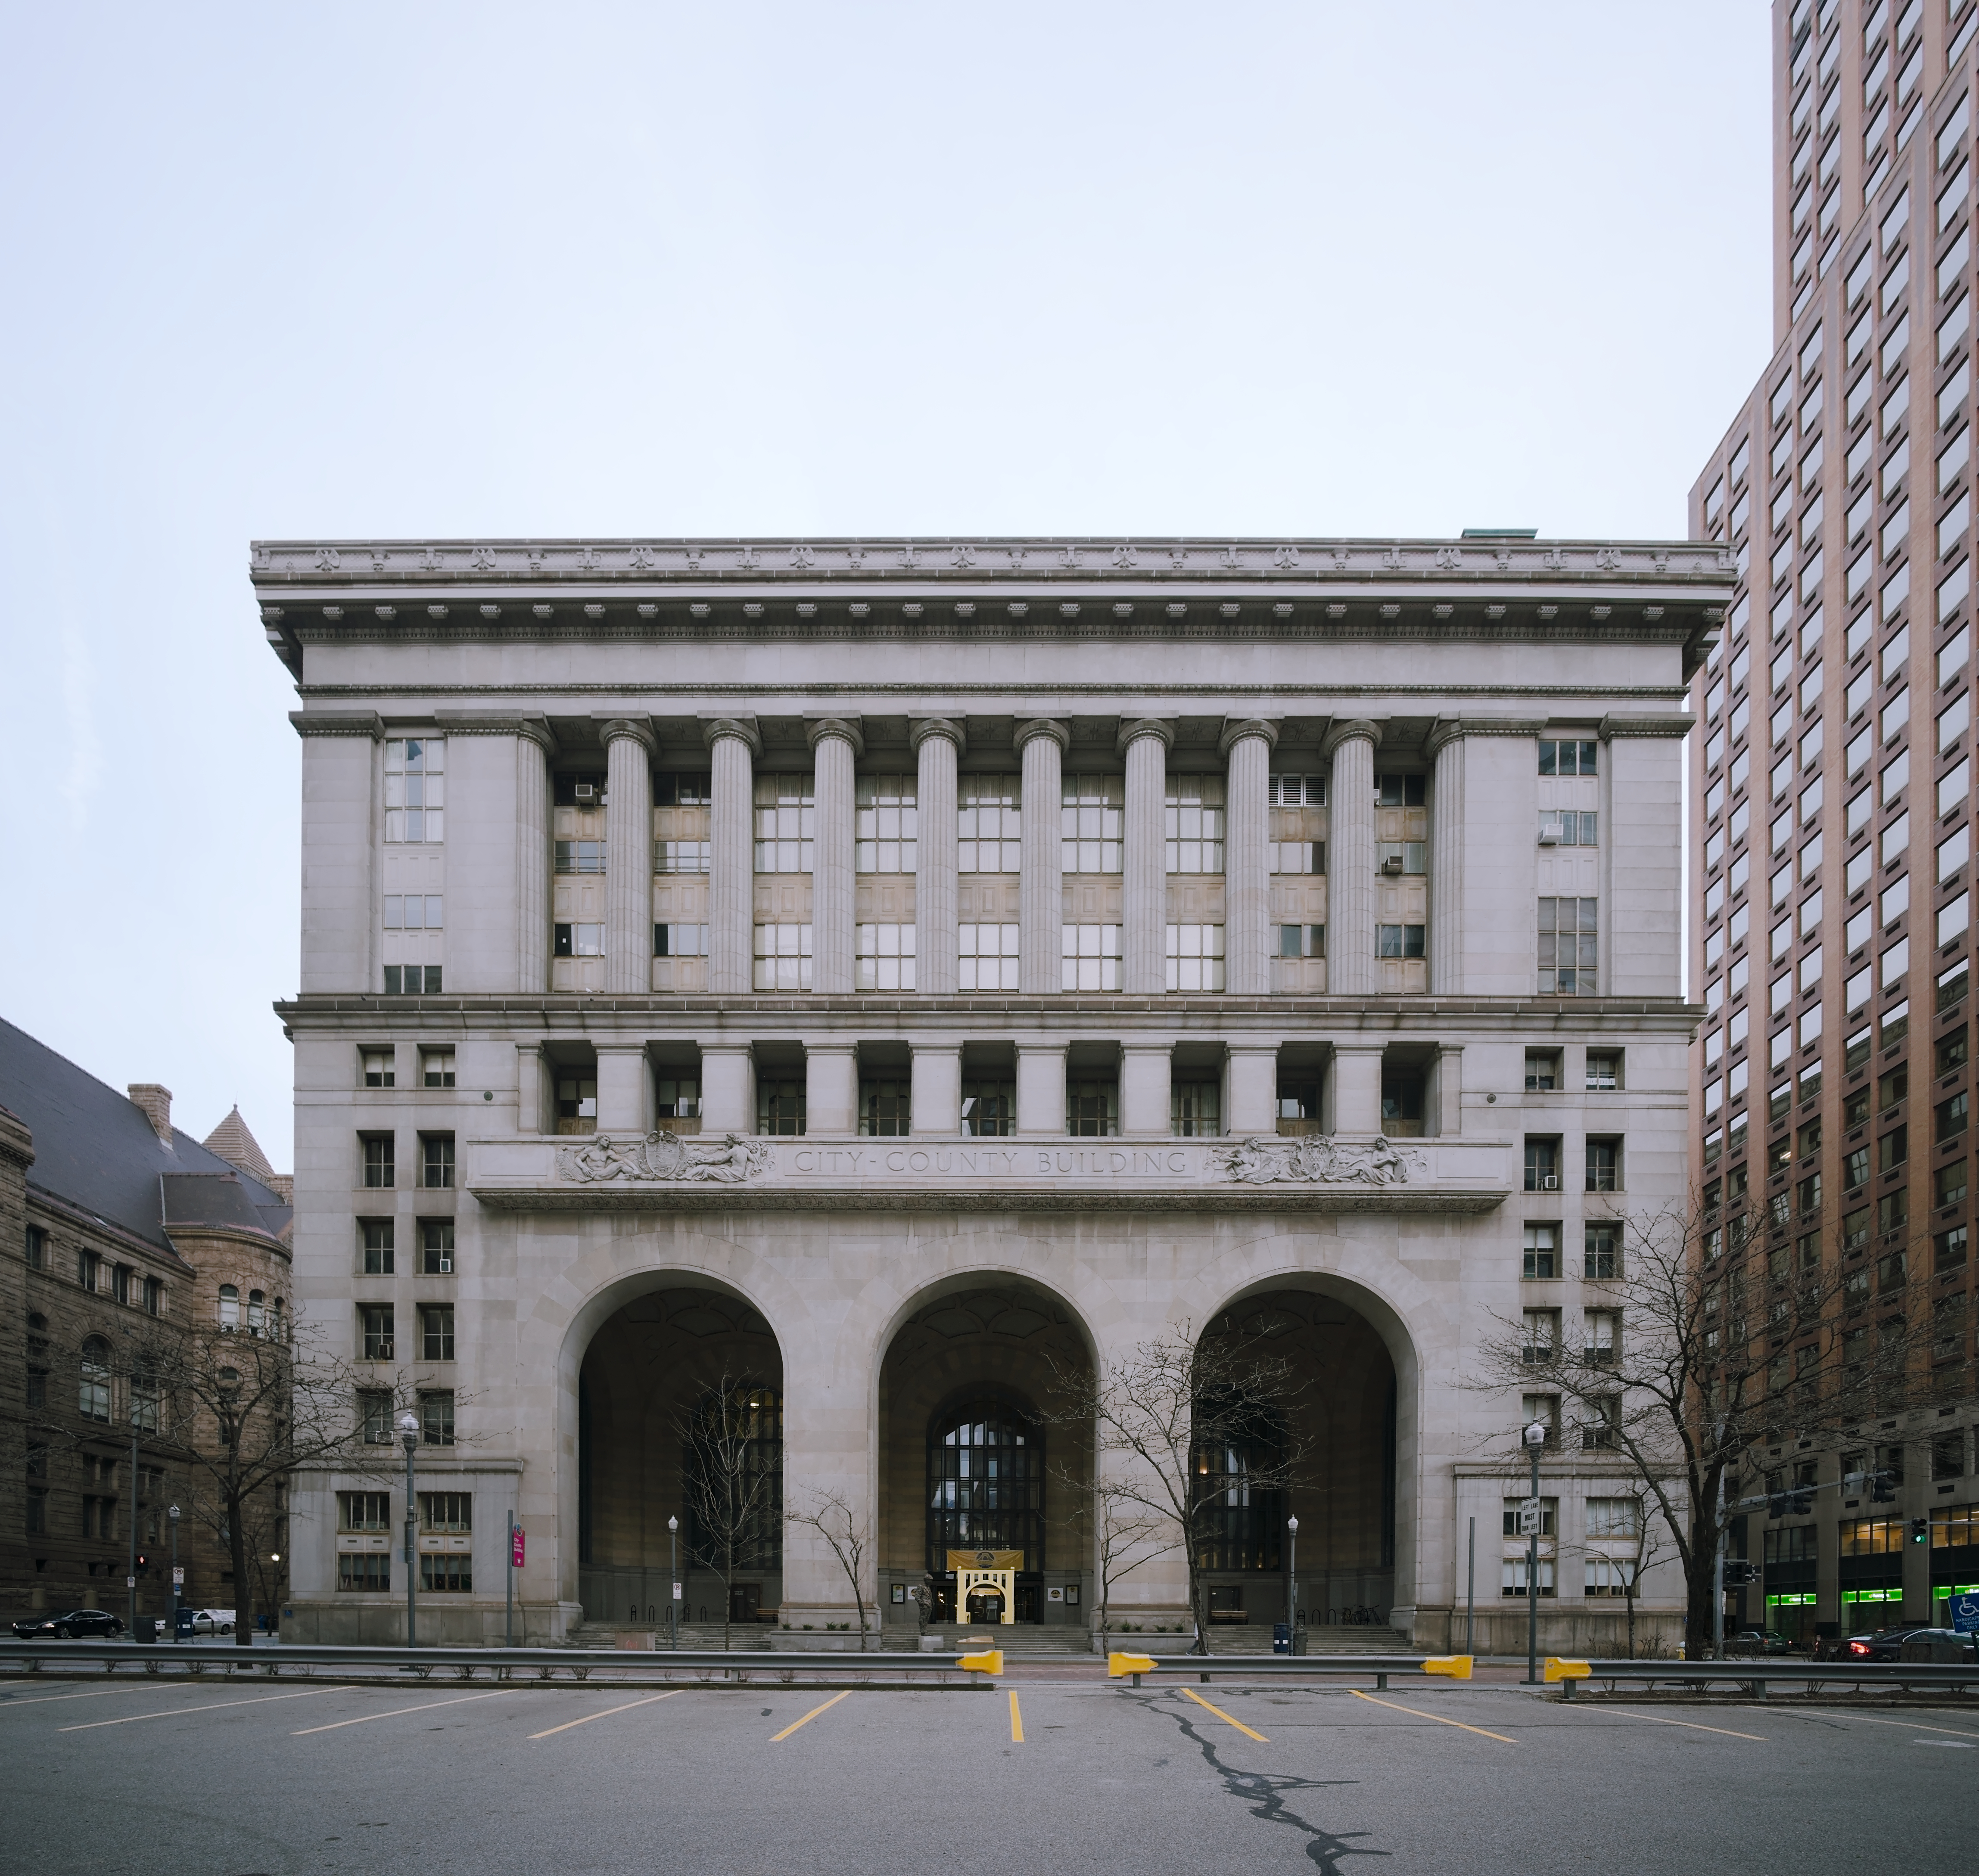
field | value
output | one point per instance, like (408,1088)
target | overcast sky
(394,271)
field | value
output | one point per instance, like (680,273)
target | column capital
(638,729)
(1447,730)
(920,728)
(1235,729)
(743,729)
(1347,730)
(498,723)
(1133,728)
(819,728)
(1029,727)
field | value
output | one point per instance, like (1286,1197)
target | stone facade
(1052,945)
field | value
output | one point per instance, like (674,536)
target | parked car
(1888,1644)
(1757,1642)
(212,1621)
(69,1622)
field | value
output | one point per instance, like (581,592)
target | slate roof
(95,1148)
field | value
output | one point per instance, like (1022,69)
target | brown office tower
(1832,792)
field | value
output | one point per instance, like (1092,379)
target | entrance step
(1017,1638)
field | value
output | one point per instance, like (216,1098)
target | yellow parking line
(1658,1719)
(607,1713)
(130,1719)
(1227,1719)
(1016,1720)
(809,1717)
(1437,1717)
(424,1707)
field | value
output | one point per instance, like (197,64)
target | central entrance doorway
(986,1513)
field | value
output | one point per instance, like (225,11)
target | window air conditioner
(1550,1183)
(384,1352)
(1548,837)
(1392,863)
(585,791)
(446,1266)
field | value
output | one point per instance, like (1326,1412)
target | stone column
(1247,745)
(1350,862)
(623,1089)
(343,802)
(733,747)
(534,747)
(1448,1088)
(1357,1089)
(831,1088)
(528,1087)
(938,742)
(1252,1089)
(937,1089)
(728,1091)
(1144,1090)
(1144,742)
(497,852)
(1446,887)
(836,743)
(1041,1090)
(1041,743)
(628,856)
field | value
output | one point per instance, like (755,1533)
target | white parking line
(130,1719)
(1867,1719)
(97,1693)
(426,1707)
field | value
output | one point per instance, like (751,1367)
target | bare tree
(1125,1535)
(850,1535)
(730,1481)
(1731,1339)
(1186,1424)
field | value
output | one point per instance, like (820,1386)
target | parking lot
(1046,1772)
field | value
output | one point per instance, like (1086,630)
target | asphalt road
(262,1779)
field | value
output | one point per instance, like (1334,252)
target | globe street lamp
(1291,1590)
(673,1582)
(408,1436)
(1535,1439)
(172,1517)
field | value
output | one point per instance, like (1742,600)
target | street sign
(129,1583)
(1965,1614)
(178,1576)
(517,1558)
(676,1592)
(1530,1514)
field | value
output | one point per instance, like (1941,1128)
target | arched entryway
(680,1415)
(985,1487)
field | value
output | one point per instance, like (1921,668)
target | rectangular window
(579,941)
(577,1103)
(680,941)
(780,1107)
(884,825)
(1604,1068)
(1514,1580)
(375,1326)
(1298,856)
(1301,940)
(1564,827)
(786,824)
(1543,1075)
(374,1416)
(885,1110)
(436,1332)
(1604,1166)
(1542,1252)
(677,1097)
(1193,824)
(1601,1334)
(1194,958)
(375,1235)
(1601,1252)
(1401,791)
(154,1296)
(1557,758)
(436,1418)
(1092,1108)
(411,980)
(1195,1109)
(989,1109)
(1296,791)
(579,856)
(1542,1337)
(681,856)
(988,957)
(1569,934)
(883,957)
(1542,1165)
(364,1570)
(446,1511)
(1400,941)
(415,790)
(379,1170)
(782,957)
(410,912)
(988,825)
(436,1068)
(1548,1516)
(1090,957)
(436,1247)
(36,1247)
(436,1161)
(379,1071)
(1607,1576)
(1090,823)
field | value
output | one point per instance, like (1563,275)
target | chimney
(157,1102)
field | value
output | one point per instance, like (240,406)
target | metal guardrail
(503,1663)
(1755,1674)
(1131,1666)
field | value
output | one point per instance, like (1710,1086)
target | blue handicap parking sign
(1965,1614)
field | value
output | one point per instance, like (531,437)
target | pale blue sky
(370,270)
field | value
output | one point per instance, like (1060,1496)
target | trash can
(147,1629)
(1281,1638)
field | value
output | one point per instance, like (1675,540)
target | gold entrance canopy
(986,1569)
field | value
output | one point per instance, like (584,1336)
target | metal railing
(1755,1674)
(517,1664)
(1132,1666)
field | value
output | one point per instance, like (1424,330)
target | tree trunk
(244,1589)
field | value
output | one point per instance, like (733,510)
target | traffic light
(1739,1573)
(1800,1502)
(1883,1488)
(1777,1505)
(1920,1531)
(142,1559)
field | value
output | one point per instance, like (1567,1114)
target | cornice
(1647,723)
(497,723)
(367,723)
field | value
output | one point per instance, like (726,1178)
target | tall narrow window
(1090,825)
(415,790)
(230,1307)
(92,1390)
(1193,824)
(1568,935)
(885,826)
(786,824)
(1196,1109)
(987,822)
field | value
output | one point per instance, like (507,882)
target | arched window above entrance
(1239,1461)
(986,1478)
(733,1476)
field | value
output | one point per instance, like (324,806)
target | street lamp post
(673,1582)
(408,1435)
(172,1518)
(1292,1589)
(1535,1439)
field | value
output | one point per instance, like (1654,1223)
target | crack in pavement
(1265,1797)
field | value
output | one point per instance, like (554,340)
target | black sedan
(68,1623)
(1888,1644)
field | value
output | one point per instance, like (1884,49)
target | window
(230,1307)
(1399,941)
(786,824)
(89,1271)
(1949,1116)
(1542,1164)
(1298,856)
(1542,1071)
(364,1570)
(446,1511)
(988,957)
(1296,791)
(1514,1580)
(1564,827)
(1548,1516)
(1196,1109)
(415,788)
(1614,1518)
(436,1068)
(884,825)
(410,912)
(1568,937)
(681,856)
(1604,1070)
(1602,1428)
(1090,823)
(1948,1249)
(1601,1336)
(36,1247)
(580,790)
(1607,1576)
(1567,758)
(884,958)
(1193,824)
(257,1312)
(1092,1108)
(411,980)
(1542,1252)
(436,1332)
(1090,957)
(1194,958)
(1542,1336)
(92,1389)
(989,1108)
(374,1416)
(375,1235)
(436,1247)
(154,1296)
(1301,940)
(147,1399)
(989,827)
(1401,791)
(677,1097)
(780,1107)
(782,957)
(436,1161)
(1604,1166)
(378,1069)
(579,856)
(579,940)
(885,1109)
(374,1321)
(436,1418)
(1601,1252)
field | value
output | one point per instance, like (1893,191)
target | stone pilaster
(1144,743)
(1357,1089)
(1041,744)
(1350,864)
(1250,1091)
(733,746)
(938,742)
(534,747)
(342,801)
(1448,892)
(1247,744)
(836,744)
(727,1089)
(937,1090)
(1041,1090)
(624,1085)
(1145,1076)
(628,854)
(831,1088)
